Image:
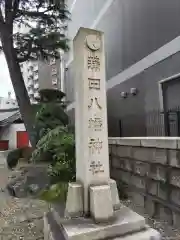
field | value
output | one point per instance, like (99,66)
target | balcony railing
(54,70)
(30,83)
(36,77)
(31,92)
(36,67)
(36,86)
(31,75)
(36,95)
(54,80)
(52,61)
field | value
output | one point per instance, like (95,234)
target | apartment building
(30,74)
(8,102)
(41,75)
(142,44)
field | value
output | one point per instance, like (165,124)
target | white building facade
(41,75)
(8,102)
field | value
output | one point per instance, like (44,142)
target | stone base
(127,225)
(101,207)
(147,234)
(74,202)
(106,194)
(114,194)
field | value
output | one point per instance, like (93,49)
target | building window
(54,80)
(54,71)
(52,61)
(31,68)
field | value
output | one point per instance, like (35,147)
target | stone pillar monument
(92,157)
(93,210)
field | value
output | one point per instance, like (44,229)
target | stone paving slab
(28,230)
(13,210)
(125,221)
(167,231)
(21,218)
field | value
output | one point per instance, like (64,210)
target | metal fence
(153,123)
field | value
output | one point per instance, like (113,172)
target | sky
(5,81)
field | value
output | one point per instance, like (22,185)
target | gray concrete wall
(133,29)
(150,170)
(123,109)
(140,115)
(137,112)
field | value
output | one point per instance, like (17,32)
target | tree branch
(8,9)
(15,7)
(23,59)
(1,17)
(26,56)
(32,13)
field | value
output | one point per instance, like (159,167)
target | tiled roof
(8,116)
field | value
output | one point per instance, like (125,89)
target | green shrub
(16,154)
(13,157)
(55,193)
(27,153)
(60,145)
(51,95)
(55,144)
(51,113)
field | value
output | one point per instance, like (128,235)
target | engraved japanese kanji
(95,145)
(94,100)
(96,123)
(93,63)
(94,83)
(96,167)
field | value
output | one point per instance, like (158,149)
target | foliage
(13,157)
(59,145)
(55,144)
(51,95)
(31,30)
(45,24)
(26,153)
(51,113)
(56,193)
(49,116)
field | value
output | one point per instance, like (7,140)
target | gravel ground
(167,231)
(22,218)
(19,218)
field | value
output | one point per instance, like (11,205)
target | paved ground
(4,172)
(22,218)
(167,232)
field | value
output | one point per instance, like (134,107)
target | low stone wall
(150,169)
